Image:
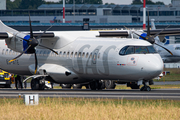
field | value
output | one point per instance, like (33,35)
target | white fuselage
(87,58)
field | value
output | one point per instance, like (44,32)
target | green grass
(173,76)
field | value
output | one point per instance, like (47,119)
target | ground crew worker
(18,82)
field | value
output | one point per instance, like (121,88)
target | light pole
(144,15)
(74,10)
(63,11)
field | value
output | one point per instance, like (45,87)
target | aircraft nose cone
(155,68)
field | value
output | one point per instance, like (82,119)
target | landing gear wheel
(87,87)
(101,85)
(77,86)
(109,84)
(41,85)
(145,88)
(93,85)
(148,88)
(34,84)
(64,86)
(142,88)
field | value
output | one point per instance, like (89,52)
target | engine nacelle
(17,43)
(58,73)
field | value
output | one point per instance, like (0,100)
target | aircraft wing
(166,32)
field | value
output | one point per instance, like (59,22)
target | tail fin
(153,27)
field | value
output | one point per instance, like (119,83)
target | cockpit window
(141,50)
(123,50)
(177,48)
(137,50)
(130,50)
(151,49)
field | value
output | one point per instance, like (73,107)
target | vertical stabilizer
(153,27)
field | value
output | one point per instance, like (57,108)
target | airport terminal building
(97,13)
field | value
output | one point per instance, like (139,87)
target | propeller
(32,43)
(150,38)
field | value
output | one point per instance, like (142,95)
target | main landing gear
(145,87)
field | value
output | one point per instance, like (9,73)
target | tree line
(34,4)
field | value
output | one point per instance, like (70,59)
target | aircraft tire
(145,88)
(77,86)
(65,86)
(94,85)
(34,84)
(101,85)
(87,86)
(109,84)
(41,85)
(148,88)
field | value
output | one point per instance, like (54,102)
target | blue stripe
(25,43)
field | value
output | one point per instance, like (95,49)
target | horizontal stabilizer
(166,32)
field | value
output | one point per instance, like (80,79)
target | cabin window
(71,54)
(87,55)
(49,53)
(75,54)
(90,55)
(10,52)
(79,55)
(83,54)
(6,51)
(14,53)
(60,53)
(64,54)
(37,52)
(67,54)
(44,53)
(40,53)
(3,51)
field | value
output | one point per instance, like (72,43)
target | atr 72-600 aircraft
(78,56)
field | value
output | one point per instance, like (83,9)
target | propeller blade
(43,33)
(148,30)
(31,33)
(48,48)
(20,54)
(26,40)
(164,48)
(36,62)
(160,31)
